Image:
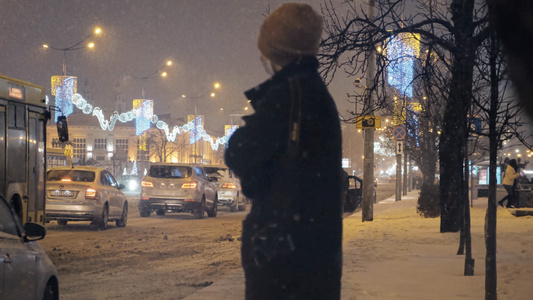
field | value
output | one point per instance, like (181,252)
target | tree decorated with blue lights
(450,32)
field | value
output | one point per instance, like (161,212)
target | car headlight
(132,185)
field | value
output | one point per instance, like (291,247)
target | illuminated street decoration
(399,113)
(416,107)
(195,132)
(106,124)
(134,169)
(60,80)
(230,129)
(402,50)
(144,110)
(64,88)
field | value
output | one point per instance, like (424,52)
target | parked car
(353,194)
(26,272)
(132,184)
(228,186)
(171,187)
(85,193)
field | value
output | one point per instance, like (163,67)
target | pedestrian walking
(510,184)
(288,157)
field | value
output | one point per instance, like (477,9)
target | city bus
(23,117)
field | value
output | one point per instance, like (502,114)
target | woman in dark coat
(288,157)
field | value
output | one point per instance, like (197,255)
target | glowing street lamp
(159,72)
(77,46)
(210,92)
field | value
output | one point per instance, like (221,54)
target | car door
(18,262)
(115,195)
(209,187)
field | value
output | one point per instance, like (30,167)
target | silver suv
(228,186)
(171,187)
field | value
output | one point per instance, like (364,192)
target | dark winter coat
(297,189)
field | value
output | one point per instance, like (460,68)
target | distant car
(228,187)
(132,184)
(172,187)
(85,193)
(26,272)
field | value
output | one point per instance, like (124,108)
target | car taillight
(147,184)
(90,193)
(228,185)
(189,185)
(66,179)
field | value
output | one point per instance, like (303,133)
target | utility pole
(399,152)
(368,164)
(405,172)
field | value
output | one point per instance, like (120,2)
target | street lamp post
(158,72)
(76,46)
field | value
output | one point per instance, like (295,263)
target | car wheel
(213,212)
(160,212)
(50,292)
(102,223)
(235,206)
(145,212)
(242,207)
(199,212)
(124,217)
(62,222)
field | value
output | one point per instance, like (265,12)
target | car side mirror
(62,129)
(34,232)
(121,186)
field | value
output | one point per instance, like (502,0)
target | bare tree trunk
(453,137)
(469,261)
(490,218)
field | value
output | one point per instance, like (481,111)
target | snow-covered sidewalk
(400,255)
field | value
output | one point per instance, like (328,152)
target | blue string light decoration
(196,131)
(109,124)
(402,50)
(144,110)
(64,89)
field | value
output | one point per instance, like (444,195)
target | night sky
(208,41)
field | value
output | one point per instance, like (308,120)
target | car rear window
(170,171)
(217,172)
(70,175)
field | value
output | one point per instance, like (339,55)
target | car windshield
(170,171)
(216,172)
(70,175)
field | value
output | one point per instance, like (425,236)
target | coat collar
(306,64)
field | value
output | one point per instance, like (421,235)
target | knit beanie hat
(291,31)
